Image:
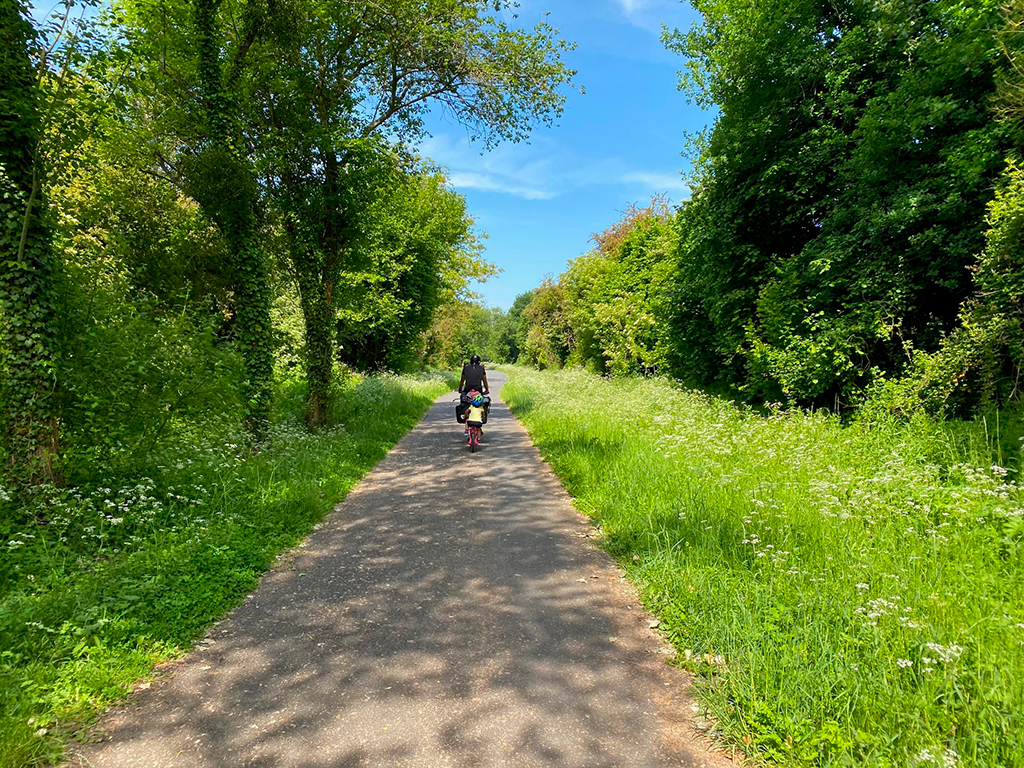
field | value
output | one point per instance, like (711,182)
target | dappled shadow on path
(446,614)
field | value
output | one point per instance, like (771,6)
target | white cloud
(484,181)
(541,170)
(658,182)
(632,6)
(650,14)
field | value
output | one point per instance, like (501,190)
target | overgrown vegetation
(217,113)
(845,594)
(854,229)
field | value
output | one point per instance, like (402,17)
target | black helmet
(474,359)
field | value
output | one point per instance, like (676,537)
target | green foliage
(132,565)
(1011,83)
(461,329)
(514,329)
(28,414)
(188,63)
(616,296)
(215,218)
(336,76)
(840,196)
(396,60)
(418,246)
(980,362)
(606,311)
(137,236)
(845,595)
(220,177)
(549,338)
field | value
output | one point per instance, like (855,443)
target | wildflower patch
(861,584)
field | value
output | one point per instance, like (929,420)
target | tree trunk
(255,334)
(28,341)
(318,268)
(316,296)
(318,313)
(224,185)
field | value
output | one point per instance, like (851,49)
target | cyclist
(474,377)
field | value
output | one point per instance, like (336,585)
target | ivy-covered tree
(220,176)
(357,69)
(189,60)
(28,404)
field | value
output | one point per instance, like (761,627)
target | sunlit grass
(126,570)
(846,594)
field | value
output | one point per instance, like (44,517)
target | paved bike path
(450,612)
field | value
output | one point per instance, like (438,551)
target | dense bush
(608,311)
(841,194)
(854,217)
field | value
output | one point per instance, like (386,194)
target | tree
(418,245)
(219,175)
(512,335)
(462,328)
(356,69)
(979,364)
(841,193)
(616,295)
(28,419)
(549,340)
(190,59)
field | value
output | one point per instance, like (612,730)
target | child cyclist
(475,414)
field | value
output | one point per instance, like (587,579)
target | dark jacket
(474,377)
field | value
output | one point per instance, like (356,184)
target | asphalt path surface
(452,611)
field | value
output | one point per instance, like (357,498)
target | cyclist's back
(474,377)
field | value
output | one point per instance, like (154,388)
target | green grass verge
(109,580)
(846,595)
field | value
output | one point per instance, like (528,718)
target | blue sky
(619,143)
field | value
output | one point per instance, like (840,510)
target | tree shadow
(443,615)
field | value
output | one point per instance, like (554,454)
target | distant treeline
(856,226)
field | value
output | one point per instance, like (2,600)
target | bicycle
(472,411)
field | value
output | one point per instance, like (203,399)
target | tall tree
(28,408)
(190,59)
(841,194)
(512,334)
(418,243)
(357,69)
(220,176)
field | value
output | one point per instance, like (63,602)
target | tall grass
(99,583)
(847,595)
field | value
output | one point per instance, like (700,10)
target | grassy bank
(847,595)
(129,569)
